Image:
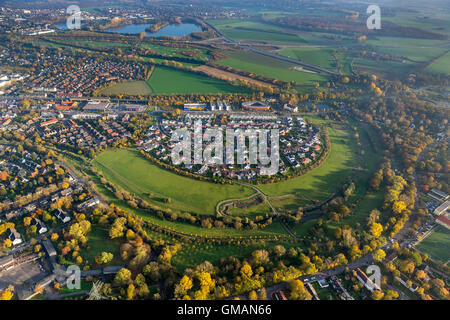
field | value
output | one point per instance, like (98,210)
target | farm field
(385,66)
(128,170)
(132,88)
(401,42)
(200,54)
(415,54)
(439,23)
(233,76)
(319,56)
(269,67)
(441,65)
(255,31)
(171,81)
(436,245)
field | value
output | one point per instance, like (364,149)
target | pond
(173,30)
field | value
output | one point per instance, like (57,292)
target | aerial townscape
(99,97)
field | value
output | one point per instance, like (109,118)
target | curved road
(270,54)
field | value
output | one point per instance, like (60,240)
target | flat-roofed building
(442,209)
(438,195)
(6,262)
(97,106)
(49,248)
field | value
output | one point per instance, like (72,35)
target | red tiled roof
(444,220)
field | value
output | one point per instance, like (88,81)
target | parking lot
(23,275)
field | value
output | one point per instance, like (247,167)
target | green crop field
(436,244)
(171,81)
(130,171)
(269,67)
(441,65)
(201,54)
(256,31)
(319,56)
(132,88)
(384,66)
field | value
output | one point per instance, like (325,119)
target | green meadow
(166,80)
(441,65)
(319,56)
(322,182)
(132,172)
(255,30)
(269,67)
(436,245)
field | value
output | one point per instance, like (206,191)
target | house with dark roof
(40,226)
(61,215)
(14,236)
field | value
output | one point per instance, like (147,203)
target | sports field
(131,88)
(171,81)
(128,170)
(436,245)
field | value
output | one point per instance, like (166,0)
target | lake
(173,30)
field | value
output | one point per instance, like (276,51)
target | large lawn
(269,67)
(130,171)
(436,245)
(171,81)
(322,182)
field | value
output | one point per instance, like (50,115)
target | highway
(270,54)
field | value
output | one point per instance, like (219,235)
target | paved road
(365,261)
(270,54)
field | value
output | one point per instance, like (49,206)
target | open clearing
(436,244)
